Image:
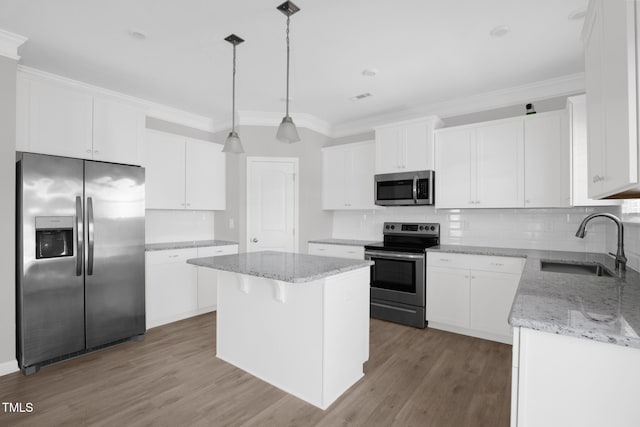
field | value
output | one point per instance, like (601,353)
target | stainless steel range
(398,276)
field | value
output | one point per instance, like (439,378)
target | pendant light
(233,144)
(287,131)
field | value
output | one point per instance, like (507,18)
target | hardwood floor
(413,377)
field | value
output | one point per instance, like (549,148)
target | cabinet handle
(188,204)
(96,151)
(321,249)
(598,178)
(473,277)
(497,264)
(351,252)
(527,201)
(173,256)
(466,277)
(88,151)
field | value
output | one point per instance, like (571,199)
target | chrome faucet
(621,259)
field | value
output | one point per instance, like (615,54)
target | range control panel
(414,228)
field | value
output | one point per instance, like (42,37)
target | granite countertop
(187,244)
(344,242)
(283,266)
(605,309)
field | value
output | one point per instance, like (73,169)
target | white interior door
(272,204)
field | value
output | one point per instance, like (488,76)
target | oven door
(398,277)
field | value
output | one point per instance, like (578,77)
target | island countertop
(603,309)
(282,266)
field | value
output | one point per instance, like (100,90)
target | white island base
(309,339)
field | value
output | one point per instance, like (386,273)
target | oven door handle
(415,189)
(396,255)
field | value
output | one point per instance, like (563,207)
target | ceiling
(425,51)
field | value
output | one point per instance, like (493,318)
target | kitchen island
(299,322)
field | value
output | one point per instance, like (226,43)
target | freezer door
(114,252)
(50,282)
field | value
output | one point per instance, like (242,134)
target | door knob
(254,240)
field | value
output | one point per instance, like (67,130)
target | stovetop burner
(408,237)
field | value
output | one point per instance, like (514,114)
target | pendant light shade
(233,143)
(287,131)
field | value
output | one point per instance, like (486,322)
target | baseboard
(8,367)
(471,332)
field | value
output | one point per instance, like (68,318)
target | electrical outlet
(231,223)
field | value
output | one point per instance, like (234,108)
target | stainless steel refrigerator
(80,264)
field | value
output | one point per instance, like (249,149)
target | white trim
(561,86)
(302,120)
(152,109)
(9,44)
(296,195)
(9,367)
(431,120)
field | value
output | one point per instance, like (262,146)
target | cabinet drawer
(217,250)
(476,262)
(497,264)
(171,256)
(339,251)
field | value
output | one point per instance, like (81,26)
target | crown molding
(302,120)
(9,44)
(536,91)
(152,109)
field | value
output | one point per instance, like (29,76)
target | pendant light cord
(233,93)
(287,103)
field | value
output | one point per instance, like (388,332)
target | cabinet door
(60,121)
(500,165)
(595,104)
(334,178)
(546,157)
(118,132)
(418,153)
(453,169)
(165,171)
(171,292)
(205,176)
(360,178)
(491,297)
(390,150)
(448,296)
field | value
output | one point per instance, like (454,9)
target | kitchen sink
(575,268)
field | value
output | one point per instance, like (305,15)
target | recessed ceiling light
(577,14)
(369,72)
(137,34)
(361,96)
(499,31)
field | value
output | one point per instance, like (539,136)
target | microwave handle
(415,189)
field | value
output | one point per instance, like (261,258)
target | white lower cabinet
(338,251)
(560,380)
(472,294)
(176,290)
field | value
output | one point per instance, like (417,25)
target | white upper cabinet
(57,119)
(455,153)
(480,166)
(611,72)
(547,160)
(165,171)
(577,114)
(205,176)
(405,146)
(347,176)
(499,163)
(184,173)
(510,163)
(118,132)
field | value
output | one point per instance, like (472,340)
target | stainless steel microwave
(405,188)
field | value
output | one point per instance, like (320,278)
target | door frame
(296,194)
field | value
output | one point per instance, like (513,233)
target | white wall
(552,229)
(314,223)
(7,214)
(178,226)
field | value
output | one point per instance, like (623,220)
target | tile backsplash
(552,229)
(631,244)
(176,226)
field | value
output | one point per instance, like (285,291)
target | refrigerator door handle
(90,236)
(79,236)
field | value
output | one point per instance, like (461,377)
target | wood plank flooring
(413,377)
